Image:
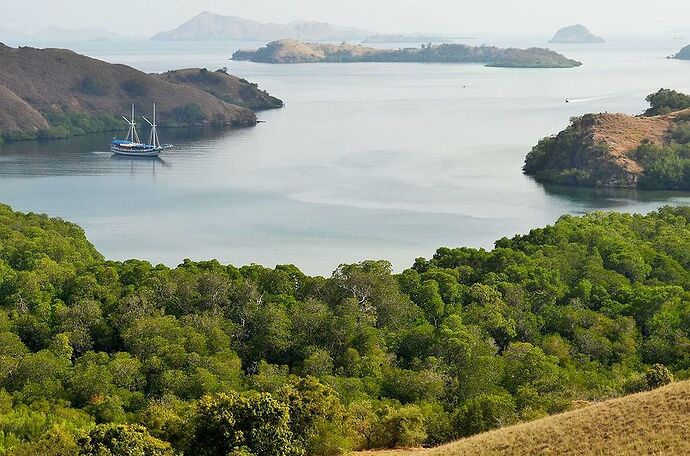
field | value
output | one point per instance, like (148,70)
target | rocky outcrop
(575,34)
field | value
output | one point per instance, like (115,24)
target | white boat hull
(136,153)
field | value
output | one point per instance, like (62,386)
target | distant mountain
(208,26)
(575,34)
(68,35)
(7,33)
(292,51)
(407,39)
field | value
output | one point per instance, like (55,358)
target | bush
(134,87)
(122,440)
(665,101)
(255,423)
(657,376)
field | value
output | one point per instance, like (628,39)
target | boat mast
(132,134)
(153,137)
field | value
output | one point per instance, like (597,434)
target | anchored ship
(132,145)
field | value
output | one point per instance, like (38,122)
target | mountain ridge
(208,26)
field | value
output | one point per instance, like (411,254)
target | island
(575,34)
(650,151)
(683,54)
(293,51)
(56,93)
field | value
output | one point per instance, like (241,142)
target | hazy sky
(445,16)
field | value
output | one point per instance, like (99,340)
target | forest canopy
(99,357)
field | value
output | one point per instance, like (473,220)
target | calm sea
(366,161)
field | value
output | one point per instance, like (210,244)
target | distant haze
(134,17)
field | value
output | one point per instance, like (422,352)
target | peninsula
(575,34)
(292,51)
(55,93)
(618,150)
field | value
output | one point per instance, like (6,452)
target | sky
(136,17)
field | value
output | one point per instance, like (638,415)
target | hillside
(208,26)
(575,34)
(55,92)
(619,150)
(293,51)
(231,89)
(654,422)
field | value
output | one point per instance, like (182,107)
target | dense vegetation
(66,124)
(122,358)
(666,101)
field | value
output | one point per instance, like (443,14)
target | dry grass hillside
(228,88)
(600,149)
(649,423)
(623,133)
(35,82)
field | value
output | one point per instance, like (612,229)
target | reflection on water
(616,198)
(365,161)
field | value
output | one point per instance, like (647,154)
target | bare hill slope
(654,422)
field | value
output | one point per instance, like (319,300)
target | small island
(575,34)
(57,93)
(293,51)
(651,151)
(683,54)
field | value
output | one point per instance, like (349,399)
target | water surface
(365,161)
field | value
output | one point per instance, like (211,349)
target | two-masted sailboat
(132,145)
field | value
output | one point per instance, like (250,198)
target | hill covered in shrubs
(293,51)
(97,356)
(55,93)
(651,151)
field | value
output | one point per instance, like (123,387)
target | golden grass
(650,423)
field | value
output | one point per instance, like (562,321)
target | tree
(254,423)
(122,440)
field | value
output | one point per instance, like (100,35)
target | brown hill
(228,88)
(598,149)
(655,422)
(40,82)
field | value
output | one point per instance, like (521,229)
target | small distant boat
(132,145)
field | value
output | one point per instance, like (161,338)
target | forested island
(651,151)
(102,357)
(56,93)
(292,51)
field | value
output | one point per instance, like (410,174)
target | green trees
(665,101)
(253,424)
(110,357)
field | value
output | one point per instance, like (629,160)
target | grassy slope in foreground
(52,93)
(292,51)
(654,422)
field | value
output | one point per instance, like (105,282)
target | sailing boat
(132,145)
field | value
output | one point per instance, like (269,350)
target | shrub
(657,376)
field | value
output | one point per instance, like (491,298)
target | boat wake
(587,100)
